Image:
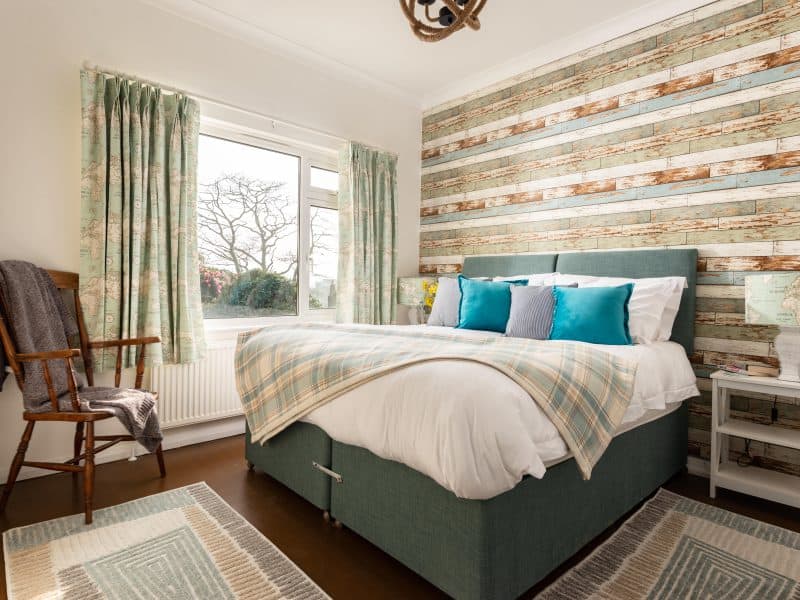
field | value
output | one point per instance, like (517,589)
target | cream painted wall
(42,46)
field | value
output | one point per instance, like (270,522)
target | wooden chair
(85,437)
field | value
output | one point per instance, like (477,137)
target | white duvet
(474,430)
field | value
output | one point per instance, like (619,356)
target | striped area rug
(678,548)
(185,543)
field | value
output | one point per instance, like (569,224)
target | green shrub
(261,290)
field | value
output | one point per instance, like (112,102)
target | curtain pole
(98,69)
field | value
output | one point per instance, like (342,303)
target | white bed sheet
(474,430)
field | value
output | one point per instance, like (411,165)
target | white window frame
(308,196)
(320,198)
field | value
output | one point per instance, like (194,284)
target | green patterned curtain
(367,236)
(139,258)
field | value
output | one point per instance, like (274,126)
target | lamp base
(414,315)
(787,347)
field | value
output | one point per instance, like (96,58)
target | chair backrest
(64,280)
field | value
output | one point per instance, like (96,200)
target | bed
(499,546)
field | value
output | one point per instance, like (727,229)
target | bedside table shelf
(771,434)
(772,485)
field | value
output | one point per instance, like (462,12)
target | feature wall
(682,134)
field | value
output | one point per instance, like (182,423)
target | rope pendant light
(433,25)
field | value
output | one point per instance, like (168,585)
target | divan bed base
(288,457)
(471,549)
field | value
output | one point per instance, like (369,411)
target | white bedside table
(755,481)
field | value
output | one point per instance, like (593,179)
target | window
(267,228)
(324,179)
(323,257)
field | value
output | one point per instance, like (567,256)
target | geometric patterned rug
(185,543)
(678,548)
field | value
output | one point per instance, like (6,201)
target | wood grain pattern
(683,134)
(684,50)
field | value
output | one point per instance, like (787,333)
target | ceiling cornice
(214,18)
(229,25)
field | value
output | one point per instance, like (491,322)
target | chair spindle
(118,367)
(51,392)
(72,385)
(140,368)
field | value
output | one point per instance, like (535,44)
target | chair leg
(78,444)
(16,464)
(160,457)
(88,473)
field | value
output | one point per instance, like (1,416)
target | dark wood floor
(340,561)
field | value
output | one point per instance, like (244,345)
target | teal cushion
(598,315)
(485,304)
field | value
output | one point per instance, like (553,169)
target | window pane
(324,179)
(247,229)
(323,257)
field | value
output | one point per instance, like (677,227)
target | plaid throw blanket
(284,372)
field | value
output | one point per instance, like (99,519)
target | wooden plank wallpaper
(682,134)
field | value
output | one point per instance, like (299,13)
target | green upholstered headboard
(507,266)
(635,264)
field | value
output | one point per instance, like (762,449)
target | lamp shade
(411,290)
(773,299)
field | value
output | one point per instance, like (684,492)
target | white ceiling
(371,38)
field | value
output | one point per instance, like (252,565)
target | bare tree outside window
(247,217)
(244,224)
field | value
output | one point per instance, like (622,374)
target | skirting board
(698,466)
(213,430)
(173,438)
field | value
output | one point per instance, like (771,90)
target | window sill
(222,331)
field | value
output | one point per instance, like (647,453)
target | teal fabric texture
(508,265)
(496,549)
(596,315)
(289,458)
(485,305)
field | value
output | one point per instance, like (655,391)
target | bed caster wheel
(326,516)
(250,466)
(337,523)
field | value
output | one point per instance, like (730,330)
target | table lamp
(774,299)
(411,292)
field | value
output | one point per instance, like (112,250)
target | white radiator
(197,392)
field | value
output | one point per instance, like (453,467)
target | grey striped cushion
(531,312)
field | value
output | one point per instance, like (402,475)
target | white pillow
(536,279)
(566,279)
(444,311)
(671,308)
(647,321)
